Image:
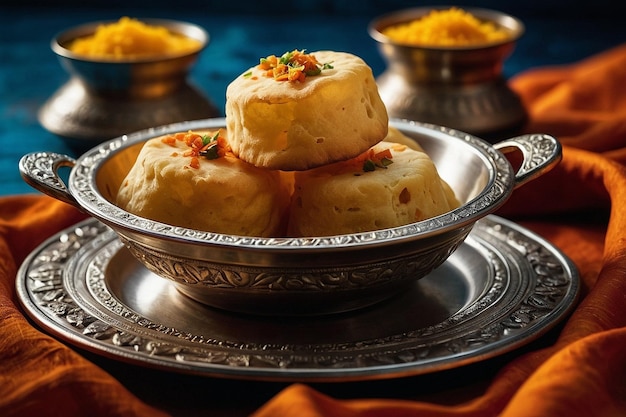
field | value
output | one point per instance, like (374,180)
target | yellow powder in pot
(130,38)
(449,27)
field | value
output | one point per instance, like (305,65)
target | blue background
(557,32)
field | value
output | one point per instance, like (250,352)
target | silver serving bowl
(105,98)
(457,86)
(297,276)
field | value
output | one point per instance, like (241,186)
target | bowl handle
(40,170)
(540,153)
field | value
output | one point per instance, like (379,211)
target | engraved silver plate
(504,287)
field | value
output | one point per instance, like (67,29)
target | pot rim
(511,23)
(192,30)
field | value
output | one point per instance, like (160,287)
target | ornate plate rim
(83,330)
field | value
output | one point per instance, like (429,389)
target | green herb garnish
(295,65)
(210,152)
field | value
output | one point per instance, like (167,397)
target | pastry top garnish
(370,160)
(210,146)
(375,159)
(292,66)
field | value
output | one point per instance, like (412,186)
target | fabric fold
(40,376)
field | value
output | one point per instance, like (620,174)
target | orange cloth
(579,206)
(38,375)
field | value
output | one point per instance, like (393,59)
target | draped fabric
(579,206)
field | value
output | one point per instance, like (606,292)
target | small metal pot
(297,276)
(106,98)
(460,87)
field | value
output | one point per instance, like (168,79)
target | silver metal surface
(502,288)
(298,276)
(106,98)
(460,87)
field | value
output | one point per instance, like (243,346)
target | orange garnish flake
(384,154)
(199,145)
(370,159)
(169,140)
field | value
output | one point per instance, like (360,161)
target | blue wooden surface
(557,32)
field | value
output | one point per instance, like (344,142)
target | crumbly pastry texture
(341,198)
(223,195)
(329,117)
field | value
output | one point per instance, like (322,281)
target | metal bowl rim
(84,29)
(82,186)
(396,17)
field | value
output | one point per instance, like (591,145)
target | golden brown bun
(330,117)
(342,198)
(224,195)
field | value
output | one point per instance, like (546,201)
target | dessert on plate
(387,186)
(191,179)
(307,150)
(325,109)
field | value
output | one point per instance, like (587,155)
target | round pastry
(390,185)
(191,179)
(300,111)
